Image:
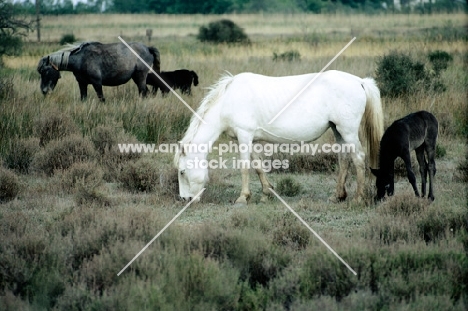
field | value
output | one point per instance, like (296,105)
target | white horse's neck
(201,136)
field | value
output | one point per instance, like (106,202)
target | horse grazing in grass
(99,64)
(181,79)
(244,106)
(417,131)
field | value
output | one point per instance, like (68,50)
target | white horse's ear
(182,148)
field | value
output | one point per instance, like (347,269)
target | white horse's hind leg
(343,166)
(359,162)
(343,163)
(358,157)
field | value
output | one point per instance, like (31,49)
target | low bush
(104,138)
(222,31)
(9,185)
(62,153)
(67,38)
(6,87)
(439,60)
(54,125)
(398,74)
(111,158)
(83,174)
(289,56)
(318,163)
(142,175)
(21,154)
(288,187)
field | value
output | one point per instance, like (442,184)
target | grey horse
(99,64)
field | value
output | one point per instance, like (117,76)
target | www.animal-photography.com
(233,155)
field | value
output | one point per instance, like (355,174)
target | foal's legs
(411,177)
(422,168)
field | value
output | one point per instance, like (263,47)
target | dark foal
(179,79)
(417,131)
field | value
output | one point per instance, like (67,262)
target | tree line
(49,7)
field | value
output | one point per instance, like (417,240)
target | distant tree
(12,29)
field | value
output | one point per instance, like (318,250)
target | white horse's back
(251,101)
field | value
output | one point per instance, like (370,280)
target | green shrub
(21,154)
(439,60)
(306,163)
(289,231)
(142,175)
(287,56)
(103,138)
(6,88)
(9,185)
(397,74)
(462,171)
(222,31)
(111,159)
(62,153)
(288,187)
(67,38)
(53,125)
(440,151)
(83,174)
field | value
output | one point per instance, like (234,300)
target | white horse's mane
(216,91)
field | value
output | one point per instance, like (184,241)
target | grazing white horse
(243,106)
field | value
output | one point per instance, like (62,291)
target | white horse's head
(193,174)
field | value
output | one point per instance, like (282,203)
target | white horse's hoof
(240,202)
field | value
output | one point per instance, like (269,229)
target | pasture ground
(67,234)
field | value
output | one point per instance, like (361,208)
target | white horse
(243,106)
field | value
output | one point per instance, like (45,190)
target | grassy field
(82,210)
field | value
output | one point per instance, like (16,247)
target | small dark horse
(417,131)
(99,64)
(179,79)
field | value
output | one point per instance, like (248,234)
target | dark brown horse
(99,64)
(417,131)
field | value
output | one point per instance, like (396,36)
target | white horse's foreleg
(245,192)
(266,185)
(245,139)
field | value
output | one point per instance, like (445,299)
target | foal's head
(384,183)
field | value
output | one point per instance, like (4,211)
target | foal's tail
(373,120)
(195,78)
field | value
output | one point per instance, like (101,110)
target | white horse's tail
(373,121)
